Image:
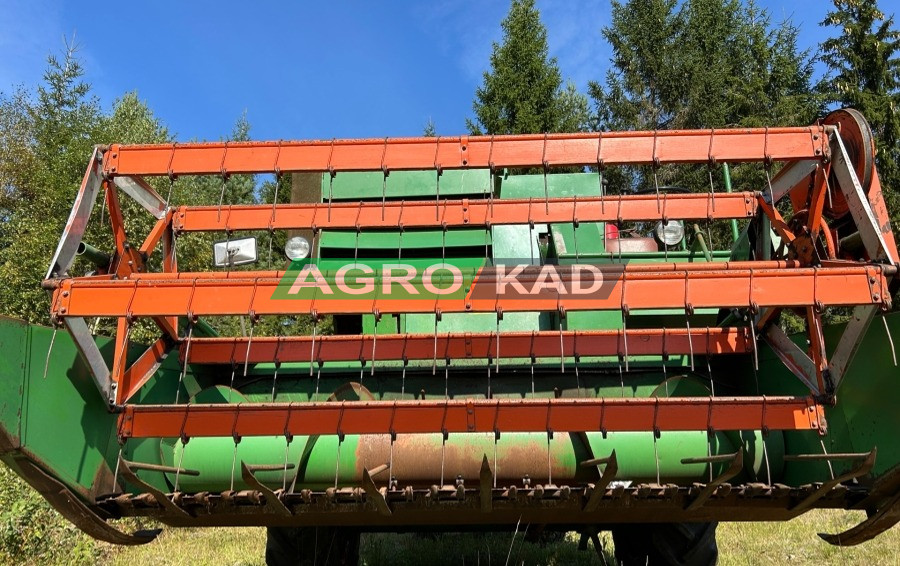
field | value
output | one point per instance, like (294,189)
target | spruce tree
(522,92)
(864,73)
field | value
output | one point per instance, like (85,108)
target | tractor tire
(312,546)
(666,544)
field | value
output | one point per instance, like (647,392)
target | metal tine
(886,329)
(688,311)
(437,198)
(187,353)
(618,220)
(331,175)
(50,350)
(600,170)
(277,367)
(656,451)
(288,438)
(546,172)
(444,436)
(549,461)
(664,359)
(712,382)
(385,174)
(575,224)
(180,462)
(655,170)
(318,379)
(391,479)
(168,195)
(118,463)
(374,343)
(272,220)
(437,317)
(755,352)
(403,378)
(496,440)
(231,388)
(576,358)
(337,463)
(621,378)
(447,378)
(221,198)
(767,165)
(827,460)
(562,352)
(533,361)
(530,231)
(312,347)
(249,343)
(233,461)
(499,318)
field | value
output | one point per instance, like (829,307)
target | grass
(794,542)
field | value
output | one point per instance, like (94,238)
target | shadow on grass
(480,549)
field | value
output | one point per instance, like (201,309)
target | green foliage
(522,93)
(32,532)
(864,73)
(700,64)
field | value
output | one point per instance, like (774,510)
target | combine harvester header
(495,338)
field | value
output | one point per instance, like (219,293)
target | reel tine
(53,340)
(312,347)
(655,170)
(374,342)
(546,172)
(249,343)
(887,331)
(187,353)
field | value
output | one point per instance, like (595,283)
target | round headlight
(296,248)
(670,233)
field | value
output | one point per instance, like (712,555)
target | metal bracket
(78,219)
(89,351)
(858,202)
(144,194)
(607,476)
(128,475)
(793,357)
(868,461)
(372,491)
(790,176)
(734,468)
(852,337)
(273,502)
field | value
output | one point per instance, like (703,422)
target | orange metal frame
(681,286)
(803,281)
(476,345)
(473,415)
(464,213)
(459,152)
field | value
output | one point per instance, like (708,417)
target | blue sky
(306,69)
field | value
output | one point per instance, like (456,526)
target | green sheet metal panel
(14,345)
(406,184)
